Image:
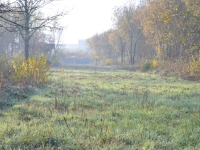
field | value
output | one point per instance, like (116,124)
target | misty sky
(88,17)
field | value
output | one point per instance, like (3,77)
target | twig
(68,127)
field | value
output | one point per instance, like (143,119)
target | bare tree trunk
(134,52)
(135,47)
(131,51)
(122,50)
(27,32)
(26,48)
(12,47)
(122,57)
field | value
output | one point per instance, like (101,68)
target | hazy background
(87,17)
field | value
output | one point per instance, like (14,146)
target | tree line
(165,30)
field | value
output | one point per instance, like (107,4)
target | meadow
(110,109)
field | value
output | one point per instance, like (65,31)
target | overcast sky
(88,17)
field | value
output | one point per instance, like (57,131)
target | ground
(109,109)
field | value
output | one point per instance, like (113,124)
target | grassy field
(109,109)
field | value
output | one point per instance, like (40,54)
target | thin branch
(68,127)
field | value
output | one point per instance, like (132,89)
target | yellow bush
(33,70)
(108,61)
(154,63)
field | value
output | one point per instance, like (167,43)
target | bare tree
(30,19)
(7,11)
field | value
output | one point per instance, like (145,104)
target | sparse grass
(110,109)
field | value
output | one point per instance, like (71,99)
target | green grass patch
(110,109)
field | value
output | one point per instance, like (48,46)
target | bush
(33,70)
(145,66)
(152,64)
(73,57)
(195,66)
(107,61)
(5,69)
(4,64)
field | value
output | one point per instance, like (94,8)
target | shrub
(5,69)
(4,64)
(107,61)
(33,70)
(73,57)
(145,66)
(195,66)
(154,63)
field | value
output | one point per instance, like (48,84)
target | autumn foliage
(156,34)
(32,70)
